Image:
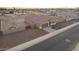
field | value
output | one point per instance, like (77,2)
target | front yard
(11,40)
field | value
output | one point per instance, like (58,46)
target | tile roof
(36,18)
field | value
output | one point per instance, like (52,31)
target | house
(68,15)
(41,20)
(37,20)
(62,24)
(11,23)
(56,19)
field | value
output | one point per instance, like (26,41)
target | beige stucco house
(37,20)
(56,19)
(41,20)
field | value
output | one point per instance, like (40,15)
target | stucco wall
(12,25)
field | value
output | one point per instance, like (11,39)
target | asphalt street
(65,41)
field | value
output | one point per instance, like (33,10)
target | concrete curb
(40,39)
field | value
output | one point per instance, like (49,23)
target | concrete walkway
(49,29)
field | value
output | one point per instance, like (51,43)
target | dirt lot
(10,40)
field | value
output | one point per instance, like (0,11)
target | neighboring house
(19,13)
(56,19)
(41,21)
(11,23)
(37,20)
(62,24)
(68,15)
